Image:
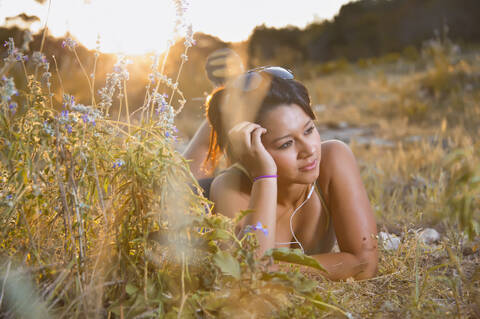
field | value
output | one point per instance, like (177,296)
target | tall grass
(101,216)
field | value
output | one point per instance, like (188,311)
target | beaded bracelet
(264,176)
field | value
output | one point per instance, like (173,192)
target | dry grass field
(99,218)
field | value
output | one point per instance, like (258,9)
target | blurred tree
(370,28)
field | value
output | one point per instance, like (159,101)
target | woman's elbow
(369,266)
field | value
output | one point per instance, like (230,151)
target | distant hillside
(193,80)
(368,28)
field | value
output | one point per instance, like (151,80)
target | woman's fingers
(257,137)
(247,147)
(241,133)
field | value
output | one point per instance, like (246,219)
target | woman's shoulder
(230,191)
(336,155)
(232,179)
(332,148)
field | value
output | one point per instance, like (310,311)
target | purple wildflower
(258,226)
(118,163)
(13,108)
(69,43)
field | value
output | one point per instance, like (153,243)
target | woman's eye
(285,145)
(309,130)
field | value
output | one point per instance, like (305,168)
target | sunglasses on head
(252,79)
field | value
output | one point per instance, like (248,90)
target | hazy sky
(138,26)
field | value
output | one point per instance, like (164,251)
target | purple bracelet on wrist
(264,176)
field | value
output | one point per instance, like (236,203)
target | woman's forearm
(263,202)
(344,265)
(197,150)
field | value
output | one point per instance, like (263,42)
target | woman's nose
(307,149)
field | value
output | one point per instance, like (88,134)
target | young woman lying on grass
(303,192)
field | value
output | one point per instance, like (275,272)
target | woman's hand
(247,147)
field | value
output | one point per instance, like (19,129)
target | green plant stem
(58,74)
(45,28)
(162,70)
(126,104)
(176,82)
(30,237)
(99,191)
(5,279)
(184,297)
(92,90)
(84,73)
(326,305)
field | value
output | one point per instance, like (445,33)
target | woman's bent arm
(352,216)
(197,150)
(262,200)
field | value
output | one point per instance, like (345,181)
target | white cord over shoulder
(291,219)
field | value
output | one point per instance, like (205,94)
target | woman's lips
(309,166)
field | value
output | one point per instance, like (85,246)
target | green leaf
(227,264)
(296,280)
(241,214)
(131,289)
(218,234)
(293,256)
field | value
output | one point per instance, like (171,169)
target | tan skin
(287,143)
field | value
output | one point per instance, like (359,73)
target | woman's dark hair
(278,92)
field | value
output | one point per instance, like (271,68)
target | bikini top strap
(242,169)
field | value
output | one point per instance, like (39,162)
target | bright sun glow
(124,26)
(141,26)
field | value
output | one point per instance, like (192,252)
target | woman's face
(294,143)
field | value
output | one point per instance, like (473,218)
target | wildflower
(155,61)
(114,80)
(46,77)
(69,43)
(189,41)
(152,78)
(69,128)
(7,90)
(64,113)
(121,67)
(9,196)
(68,101)
(13,54)
(258,226)
(27,38)
(48,129)
(13,107)
(38,58)
(118,163)
(87,119)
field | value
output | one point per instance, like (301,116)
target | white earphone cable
(291,219)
